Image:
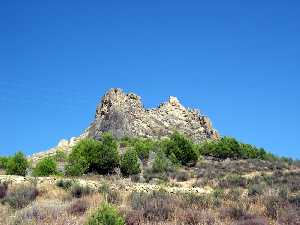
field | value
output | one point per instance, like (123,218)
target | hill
(149,166)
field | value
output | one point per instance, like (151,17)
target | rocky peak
(124,115)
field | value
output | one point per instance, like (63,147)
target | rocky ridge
(123,114)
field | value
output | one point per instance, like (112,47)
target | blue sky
(237,61)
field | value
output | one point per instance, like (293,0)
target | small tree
(3,162)
(160,163)
(45,167)
(60,156)
(107,158)
(90,155)
(106,215)
(129,163)
(82,157)
(17,165)
(182,148)
(143,147)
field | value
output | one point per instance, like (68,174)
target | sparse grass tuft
(21,197)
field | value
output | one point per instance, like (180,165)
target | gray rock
(124,115)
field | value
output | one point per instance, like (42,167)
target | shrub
(60,156)
(82,155)
(160,163)
(224,148)
(143,147)
(78,207)
(94,156)
(295,200)
(78,190)
(228,147)
(134,218)
(3,189)
(38,213)
(252,221)
(156,206)
(104,188)
(3,162)
(234,194)
(236,212)
(108,158)
(233,181)
(106,215)
(129,163)
(76,168)
(17,165)
(196,217)
(45,167)
(149,175)
(198,201)
(190,217)
(183,149)
(135,178)
(256,189)
(289,216)
(182,176)
(22,196)
(64,184)
(271,206)
(113,197)
(137,199)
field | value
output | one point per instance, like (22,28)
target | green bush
(106,215)
(182,148)
(17,165)
(76,168)
(94,156)
(45,167)
(81,157)
(160,163)
(60,156)
(129,163)
(143,148)
(3,162)
(224,148)
(108,157)
(228,147)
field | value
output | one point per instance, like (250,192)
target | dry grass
(228,206)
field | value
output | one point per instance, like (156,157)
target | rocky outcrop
(63,145)
(124,115)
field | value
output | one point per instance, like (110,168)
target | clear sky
(237,61)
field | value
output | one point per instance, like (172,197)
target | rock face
(124,115)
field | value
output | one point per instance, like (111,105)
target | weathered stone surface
(124,115)
(63,145)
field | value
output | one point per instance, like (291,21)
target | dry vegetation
(152,182)
(244,192)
